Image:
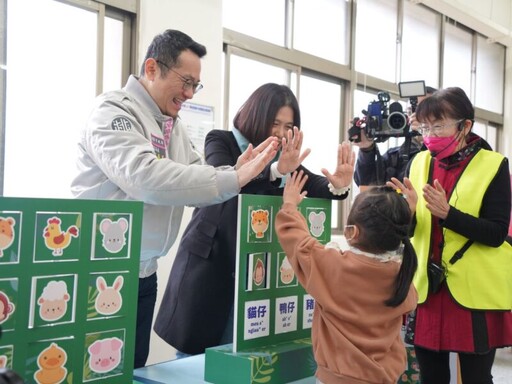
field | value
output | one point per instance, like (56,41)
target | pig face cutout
(109,300)
(53,302)
(316,223)
(105,355)
(114,234)
(6,233)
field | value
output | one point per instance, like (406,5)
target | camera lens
(397,121)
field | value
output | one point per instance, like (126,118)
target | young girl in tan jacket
(361,294)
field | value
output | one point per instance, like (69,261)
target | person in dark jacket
(196,309)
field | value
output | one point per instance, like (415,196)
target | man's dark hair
(167,46)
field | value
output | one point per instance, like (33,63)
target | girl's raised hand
(293,188)
(407,190)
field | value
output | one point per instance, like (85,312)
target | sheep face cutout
(109,300)
(286,272)
(53,302)
(114,234)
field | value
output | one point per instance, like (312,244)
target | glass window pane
(420,45)
(113,54)
(487,132)
(262,19)
(457,58)
(241,85)
(491,137)
(479,129)
(321,126)
(320,28)
(490,75)
(376,38)
(42,122)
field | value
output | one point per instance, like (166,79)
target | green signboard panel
(273,314)
(270,305)
(68,283)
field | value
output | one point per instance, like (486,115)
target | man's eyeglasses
(429,130)
(187,83)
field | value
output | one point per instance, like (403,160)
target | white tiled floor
(502,368)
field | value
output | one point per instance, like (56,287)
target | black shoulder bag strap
(458,255)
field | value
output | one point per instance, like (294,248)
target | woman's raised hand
(291,157)
(344,172)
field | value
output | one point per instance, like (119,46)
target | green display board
(270,305)
(68,289)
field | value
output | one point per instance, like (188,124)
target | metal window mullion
(100,46)
(3,90)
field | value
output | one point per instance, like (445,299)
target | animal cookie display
(51,363)
(6,233)
(105,355)
(259,222)
(109,300)
(56,239)
(114,234)
(53,302)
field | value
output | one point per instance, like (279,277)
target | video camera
(380,122)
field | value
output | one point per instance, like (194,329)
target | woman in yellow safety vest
(459,192)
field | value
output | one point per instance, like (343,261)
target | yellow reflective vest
(482,278)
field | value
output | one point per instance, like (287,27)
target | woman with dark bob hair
(202,280)
(459,192)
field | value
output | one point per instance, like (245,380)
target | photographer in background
(372,168)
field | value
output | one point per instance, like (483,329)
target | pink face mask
(441,147)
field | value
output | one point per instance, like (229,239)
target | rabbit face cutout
(109,300)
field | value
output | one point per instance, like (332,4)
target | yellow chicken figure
(56,239)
